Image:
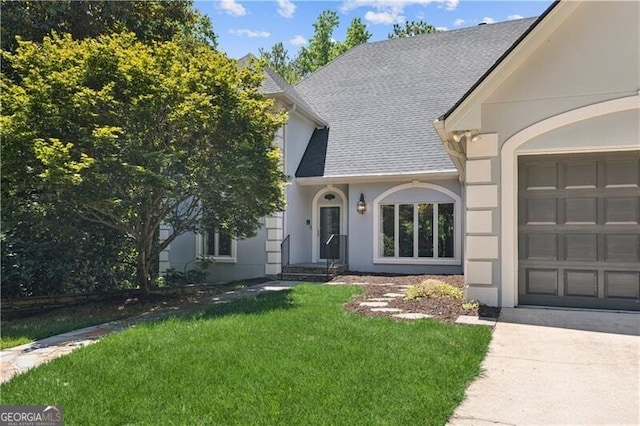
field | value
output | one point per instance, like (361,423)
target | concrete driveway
(552,367)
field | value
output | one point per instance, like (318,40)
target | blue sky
(245,26)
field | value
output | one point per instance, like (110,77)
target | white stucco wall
(298,211)
(250,258)
(593,56)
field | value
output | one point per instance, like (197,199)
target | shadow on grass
(251,305)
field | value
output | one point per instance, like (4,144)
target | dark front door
(329,224)
(579,230)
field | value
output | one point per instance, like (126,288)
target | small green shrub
(471,305)
(433,289)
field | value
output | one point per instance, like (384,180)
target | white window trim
(200,239)
(457,227)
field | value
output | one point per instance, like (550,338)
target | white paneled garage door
(579,230)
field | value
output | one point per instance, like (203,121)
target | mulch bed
(445,309)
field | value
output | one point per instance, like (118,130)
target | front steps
(314,272)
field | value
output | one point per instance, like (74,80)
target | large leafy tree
(278,60)
(149,20)
(357,33)
(131,135)
(322,48)
(411,28)
(46,247)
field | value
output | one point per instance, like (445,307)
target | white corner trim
(457,231)
(315,218)
(509,178)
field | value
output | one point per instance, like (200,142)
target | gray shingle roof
(274,85)
(382,98)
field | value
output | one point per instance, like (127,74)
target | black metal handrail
(284,254)
(336,249)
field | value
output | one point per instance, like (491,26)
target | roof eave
(320,122)
(501,59)
(376,177)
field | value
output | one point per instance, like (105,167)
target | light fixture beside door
(361,207)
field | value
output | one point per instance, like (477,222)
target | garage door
(579,230)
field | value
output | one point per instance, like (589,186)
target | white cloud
(488,20)
(286,8)
(451,4)
(459,22)
(232,8)
(387,18)
(442,28)
(385,5)
(250,33)
(512,17)
(298,41)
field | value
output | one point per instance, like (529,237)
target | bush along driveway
(290,357)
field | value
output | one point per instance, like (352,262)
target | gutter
(376,177)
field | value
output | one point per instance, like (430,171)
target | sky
(246,26)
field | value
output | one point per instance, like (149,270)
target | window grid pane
(445,230)
(210,244)
(224,244)
(387,215)
(405,234)
(425,230)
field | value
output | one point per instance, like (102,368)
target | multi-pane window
(217,244)
(416,230)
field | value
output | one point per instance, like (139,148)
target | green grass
(290,357)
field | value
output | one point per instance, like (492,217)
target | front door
(329,224)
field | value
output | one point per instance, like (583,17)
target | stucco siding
(592,57)
(298,131)
(298,221)
(250,258)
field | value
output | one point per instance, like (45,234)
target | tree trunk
(142,270)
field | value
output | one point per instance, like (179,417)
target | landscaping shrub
(433,289)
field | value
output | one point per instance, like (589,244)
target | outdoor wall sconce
(362,206)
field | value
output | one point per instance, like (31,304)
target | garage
(579,230)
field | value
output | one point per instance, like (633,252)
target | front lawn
(291,357)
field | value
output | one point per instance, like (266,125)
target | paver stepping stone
(472,320)
(386,310)
(275,288)
(374,304)
(393,295)
(411,315)
(380,299)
